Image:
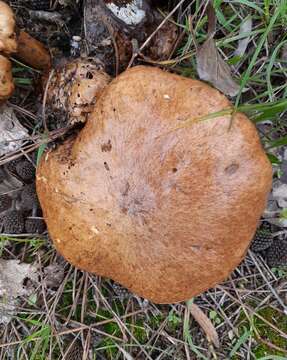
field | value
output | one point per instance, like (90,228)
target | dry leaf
(205,324)
(15,280)
(245,28)
(212,20)
(210,65)
(12,132)
(212,68)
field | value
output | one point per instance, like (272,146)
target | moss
(174,322)
(138,331)
(267,333)
(110,348)
(155,321)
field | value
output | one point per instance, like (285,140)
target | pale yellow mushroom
(24,46)
(8,41)
(6,79)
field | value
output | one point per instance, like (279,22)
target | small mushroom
(6,79)
(74,89)
(8,45)
(26,48)
(8,42)
(167,211)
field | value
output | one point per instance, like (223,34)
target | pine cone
(39,4)
(263,238)
(26,170)
(120,291)
(75,351)
(2,174)
(11,166)
(13,222)
(35,225)
(277,253)
(5,202)
(29,197)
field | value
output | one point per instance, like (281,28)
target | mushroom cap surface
(8,42)
(75,87)
(167,212)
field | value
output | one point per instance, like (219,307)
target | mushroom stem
(32,52)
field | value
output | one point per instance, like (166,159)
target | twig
(274,292)
(45,100)
(135,55)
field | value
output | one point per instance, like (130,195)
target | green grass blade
(257,52)
(276,143)
(40,152)
(242,340)
(270,66)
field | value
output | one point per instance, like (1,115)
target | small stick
(274,292)
(135,55)
(45,100)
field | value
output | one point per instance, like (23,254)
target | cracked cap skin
(166,211)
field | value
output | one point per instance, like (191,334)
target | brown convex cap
(166,212)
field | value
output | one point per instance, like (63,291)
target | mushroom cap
(75,87)
(167,212)
(6,79)
(8,43)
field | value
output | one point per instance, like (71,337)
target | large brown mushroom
(166,211)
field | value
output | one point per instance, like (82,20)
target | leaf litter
(211,66)
(16,280)
(245,28)
(12,133)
